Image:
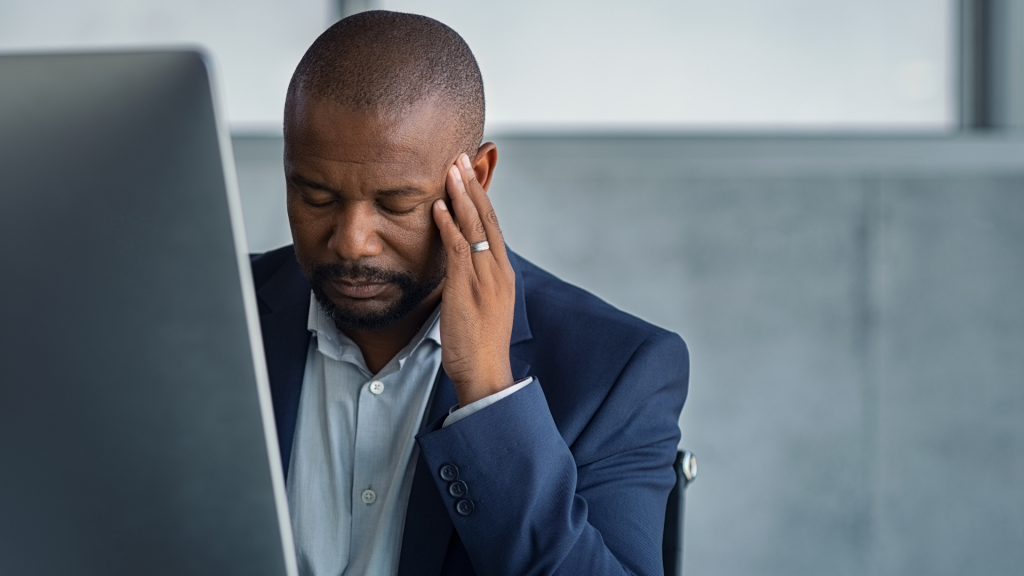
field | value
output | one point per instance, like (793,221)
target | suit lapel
(286,344)
(287,349)
(520,323)
(520,368)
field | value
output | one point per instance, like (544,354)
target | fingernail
(455,172)
(464,160)
(442,205)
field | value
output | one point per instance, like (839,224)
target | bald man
(443,406)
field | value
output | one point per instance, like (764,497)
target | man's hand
(478,299)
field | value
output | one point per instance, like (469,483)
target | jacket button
(449,472)
(457,489)
(464,507)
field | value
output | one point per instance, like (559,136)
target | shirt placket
(369,480)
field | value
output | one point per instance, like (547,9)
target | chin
(369,308)
(366,315)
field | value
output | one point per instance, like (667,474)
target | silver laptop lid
(136,431)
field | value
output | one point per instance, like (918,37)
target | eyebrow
(400,191)
(310,183)
(403,191)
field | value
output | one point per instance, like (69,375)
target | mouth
(359,289)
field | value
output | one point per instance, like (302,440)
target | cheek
(417,240)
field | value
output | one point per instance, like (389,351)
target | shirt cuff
(455,413)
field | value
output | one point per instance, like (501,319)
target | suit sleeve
(537,507)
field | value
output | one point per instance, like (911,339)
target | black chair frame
(672,542)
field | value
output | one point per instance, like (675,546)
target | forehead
(413,145)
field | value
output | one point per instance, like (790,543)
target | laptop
(136,429)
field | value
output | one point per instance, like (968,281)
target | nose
(355,234)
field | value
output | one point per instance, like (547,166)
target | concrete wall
(854,316)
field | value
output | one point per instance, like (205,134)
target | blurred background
(824,198)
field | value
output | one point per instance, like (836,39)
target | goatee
(412,293)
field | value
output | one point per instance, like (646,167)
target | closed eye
(398,210)
(317,198)
(313,193)
(399,201)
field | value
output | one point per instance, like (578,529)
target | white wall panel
(791,64)
(579,64)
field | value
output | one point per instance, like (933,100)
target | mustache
(354,271)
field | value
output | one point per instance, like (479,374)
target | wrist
(479,386)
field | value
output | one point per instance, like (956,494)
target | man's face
(360,190)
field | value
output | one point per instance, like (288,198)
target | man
(443,406)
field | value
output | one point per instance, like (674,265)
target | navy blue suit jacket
(569,475)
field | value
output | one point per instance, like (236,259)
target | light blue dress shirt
(354,451)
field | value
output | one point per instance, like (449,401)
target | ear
(484,163)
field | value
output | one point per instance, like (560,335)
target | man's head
(378,109)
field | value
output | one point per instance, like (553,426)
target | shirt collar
(334,344)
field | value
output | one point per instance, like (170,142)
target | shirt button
(369,496)
(377,387)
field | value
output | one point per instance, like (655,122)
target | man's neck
(380,346)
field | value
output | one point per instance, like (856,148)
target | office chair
(672,542)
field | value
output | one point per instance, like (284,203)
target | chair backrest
(672,542)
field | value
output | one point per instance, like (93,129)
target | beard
(412,293)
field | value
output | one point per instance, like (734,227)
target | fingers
(464,207)
(455,244)
(473,208)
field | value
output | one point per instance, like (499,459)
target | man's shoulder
(564,312)
(266,264)
(600,367)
